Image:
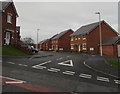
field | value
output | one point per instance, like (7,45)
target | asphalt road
(61,71)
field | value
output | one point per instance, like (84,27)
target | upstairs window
(9,18)
(84,38)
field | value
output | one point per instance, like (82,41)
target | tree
(28,41)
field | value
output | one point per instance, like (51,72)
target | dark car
(34,50)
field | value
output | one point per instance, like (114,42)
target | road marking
(103,79)
(39,67)
(85,76)
(68,61)
(59,58)
(14,82)
(93,55)
(45,62)
(11,62)
(68,56)
(69,72)
(11,78)
(117,81)
(0,61)
(54,70)
(22,65)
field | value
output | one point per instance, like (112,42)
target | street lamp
(37,38)
(100,33)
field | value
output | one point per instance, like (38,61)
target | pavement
(98,64)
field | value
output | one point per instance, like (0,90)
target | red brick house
(61,42)
(41,45)
(48,43)
(87,37)
(111,46)
(9,16)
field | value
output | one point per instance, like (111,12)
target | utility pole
(37,38)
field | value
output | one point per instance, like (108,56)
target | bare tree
(28,41)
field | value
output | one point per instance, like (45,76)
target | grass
(12,51)
(114,63)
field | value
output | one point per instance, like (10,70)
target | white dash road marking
(11,62)
(117,81)
(103,79)
(45,63)
(22,65)
(14,82)
(59,58)
(39,67)
(85,76)
(54,70)
(69,72)
(0,61)
(68,56)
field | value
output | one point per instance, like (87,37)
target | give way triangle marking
(67,63)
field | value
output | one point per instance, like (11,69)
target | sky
(54,17)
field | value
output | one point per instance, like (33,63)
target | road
(61,71)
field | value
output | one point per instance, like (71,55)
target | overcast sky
(52,18)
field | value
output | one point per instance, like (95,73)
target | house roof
(111,41)
(6,4)
(86,29)
(43,41)
(60,34)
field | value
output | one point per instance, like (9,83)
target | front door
(118,47)
(7,38)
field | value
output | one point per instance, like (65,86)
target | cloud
(52,18)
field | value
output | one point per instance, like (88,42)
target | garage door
(118,50)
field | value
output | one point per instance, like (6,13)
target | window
(72,38)
(91,49)
(84,46)
(76,38)
(79,37)
(72,46)
(9,18)
(60,49)
(84,37)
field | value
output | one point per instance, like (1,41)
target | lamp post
(37,38)
(100,33)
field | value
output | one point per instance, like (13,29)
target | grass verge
(12,51)
(114,63)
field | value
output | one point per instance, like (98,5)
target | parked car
(34,50)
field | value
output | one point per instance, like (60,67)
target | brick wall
(93,38)
(6,25)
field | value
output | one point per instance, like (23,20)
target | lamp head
(97,13)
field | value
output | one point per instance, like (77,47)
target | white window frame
(84,46)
